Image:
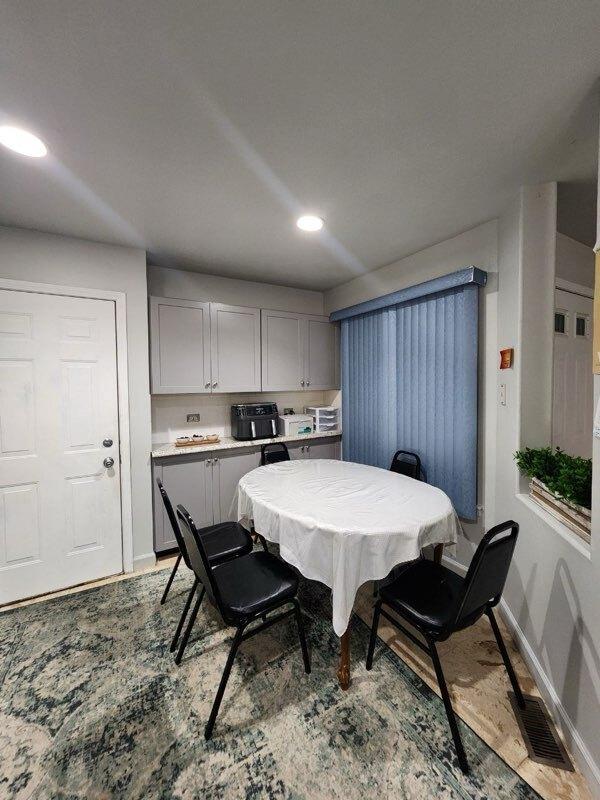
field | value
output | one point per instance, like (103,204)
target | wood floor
(477,682)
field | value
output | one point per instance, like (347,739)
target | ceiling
(200,130)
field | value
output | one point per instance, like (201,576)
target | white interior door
(60,506)
(573,398)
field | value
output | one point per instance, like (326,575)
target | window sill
(566,533)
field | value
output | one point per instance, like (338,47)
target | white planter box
(577,518)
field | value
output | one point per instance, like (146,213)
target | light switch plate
(193,417)
(502,394)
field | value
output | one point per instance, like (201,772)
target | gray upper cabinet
(282,336)
(235,348)
(320,353)
(180,346)
(298,352)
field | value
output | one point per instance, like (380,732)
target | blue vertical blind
(409,381)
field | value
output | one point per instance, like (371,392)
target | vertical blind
(409,381)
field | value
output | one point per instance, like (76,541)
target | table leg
(343,672)
(438,551)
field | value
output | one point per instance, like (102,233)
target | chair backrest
(484,582)
(406,463)
(174,523)
(274,452)
(198,558)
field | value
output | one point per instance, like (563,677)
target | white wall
(476,247)
(169,411)
(186,285)
(46,258)
(551,595)
(574,261)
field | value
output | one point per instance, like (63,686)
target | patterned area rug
(92,706)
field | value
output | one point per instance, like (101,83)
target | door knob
(107,443)
(108,462)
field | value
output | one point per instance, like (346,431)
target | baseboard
(584,758)
(144,561)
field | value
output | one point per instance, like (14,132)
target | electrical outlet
(193,417)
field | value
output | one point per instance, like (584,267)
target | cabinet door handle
(308,383)
(301,383)
(214,386)
(207,385)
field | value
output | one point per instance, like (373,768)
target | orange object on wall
(506,358)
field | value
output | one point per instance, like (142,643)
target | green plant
(569,477)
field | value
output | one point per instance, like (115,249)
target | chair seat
(225,541)
(425,594)
(254,583)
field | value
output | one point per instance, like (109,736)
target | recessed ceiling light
(309,222)
(22,141)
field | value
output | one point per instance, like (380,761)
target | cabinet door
(235,348)
(189,483)
(297,451)
(180,346)
(282,338)
(227,471)
(325,450)
(320,353)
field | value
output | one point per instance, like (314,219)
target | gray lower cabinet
(206,484)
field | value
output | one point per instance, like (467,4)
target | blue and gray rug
(92,706)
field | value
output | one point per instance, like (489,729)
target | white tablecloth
(343,523)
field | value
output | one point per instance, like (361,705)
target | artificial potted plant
(561,484)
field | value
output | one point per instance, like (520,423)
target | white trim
(144,561)
(574,288)
(120,301)
(585,760)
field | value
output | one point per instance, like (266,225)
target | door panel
(573,395)
(235,348)
(320,370)
(227,472)
(282,337)
(61,520)
(180,346)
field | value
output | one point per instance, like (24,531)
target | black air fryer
(254,421)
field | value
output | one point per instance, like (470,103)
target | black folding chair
(406,463)
(438,602)
(243,590)
(273,453)
(223,542)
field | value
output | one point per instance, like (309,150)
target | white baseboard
(585,760)
(144,561)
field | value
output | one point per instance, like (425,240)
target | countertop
(227,443)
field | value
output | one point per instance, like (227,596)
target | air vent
(539,734)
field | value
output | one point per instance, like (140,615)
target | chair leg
(301,636)
(460,750)
(189,627)
(263,542)
(170,581)
(373,637)
(224,678)
(186,608)
(506,659)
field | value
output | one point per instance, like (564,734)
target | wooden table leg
(438,551)
(343,672)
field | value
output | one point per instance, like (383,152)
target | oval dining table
(343,524)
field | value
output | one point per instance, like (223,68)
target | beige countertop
(227,443)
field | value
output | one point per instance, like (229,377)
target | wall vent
(539,733)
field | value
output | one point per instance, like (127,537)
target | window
(560,322)
(581,326)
